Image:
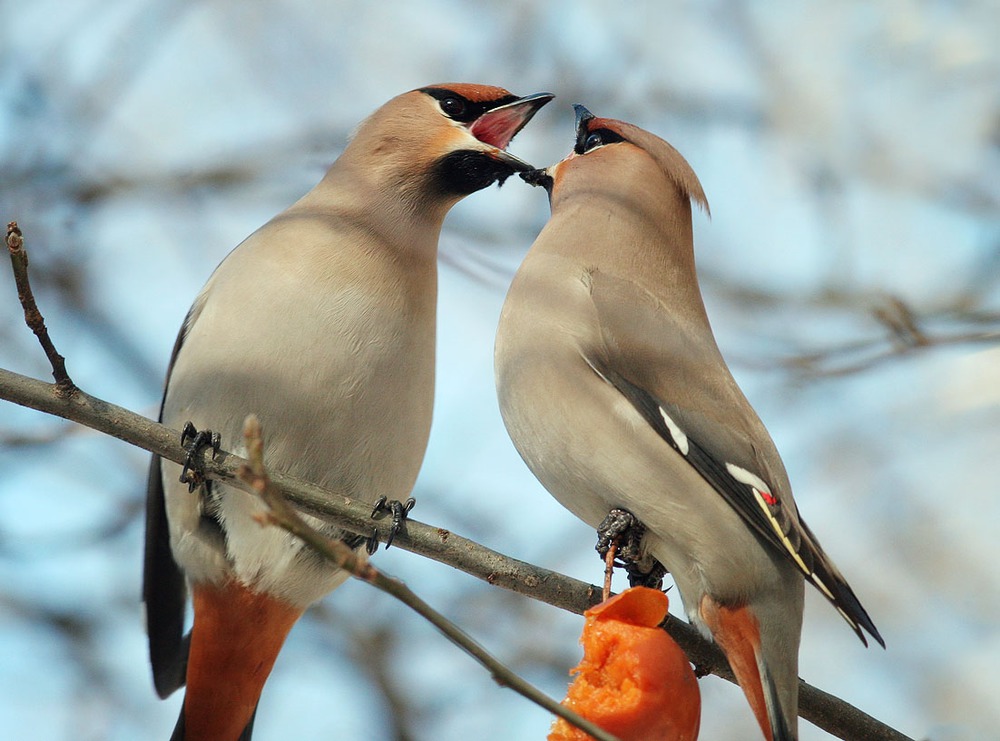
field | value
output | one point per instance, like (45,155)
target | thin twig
(32,316)
(254,474)
(829,713)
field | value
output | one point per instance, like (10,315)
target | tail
(236,637)
(825,576)
(774,700)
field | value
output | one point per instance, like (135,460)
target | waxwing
(322,323)
(614,392)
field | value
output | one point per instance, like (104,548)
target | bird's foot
(622,530)
(651,577)
(399,511)
(194,441)
(620,534)
(354,541)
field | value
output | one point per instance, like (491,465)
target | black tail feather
(779,727)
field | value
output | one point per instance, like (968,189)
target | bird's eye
(453,107)
(589,140)
(594,140)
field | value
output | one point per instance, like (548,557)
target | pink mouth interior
(497,128)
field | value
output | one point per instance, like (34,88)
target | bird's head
(620,159)
(439,143)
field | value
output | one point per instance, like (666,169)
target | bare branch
(32,316)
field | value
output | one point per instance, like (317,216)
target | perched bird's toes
(623,530)
(621,534)
(651,577)
(399,511)
(371,543)
(353,541)
(195,441)
(379,506)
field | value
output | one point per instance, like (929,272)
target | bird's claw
(194,441)
(399,510)
(652,578)
(371,543)
(623,530)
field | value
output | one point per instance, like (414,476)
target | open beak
(499,125)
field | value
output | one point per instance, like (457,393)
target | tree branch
(32,316)
(255,475)
(830,713)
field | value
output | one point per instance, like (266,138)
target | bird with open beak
(322,323)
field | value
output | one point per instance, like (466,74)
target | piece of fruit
(634,681)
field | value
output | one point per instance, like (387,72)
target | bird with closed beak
(322,323)
(617,397)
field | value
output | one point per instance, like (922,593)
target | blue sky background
(850,152)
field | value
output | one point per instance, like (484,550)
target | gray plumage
(616,395)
